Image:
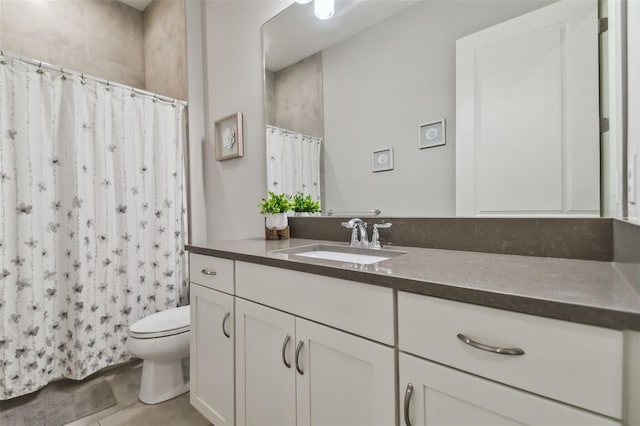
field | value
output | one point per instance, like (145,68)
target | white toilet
(161,340)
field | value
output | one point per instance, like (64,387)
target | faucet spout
(359,237)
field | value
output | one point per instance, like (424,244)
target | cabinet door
(266,381)
(212,349)
(431,394)
(342,379)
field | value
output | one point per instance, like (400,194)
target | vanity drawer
(362,309)
(212,272)
(575,363)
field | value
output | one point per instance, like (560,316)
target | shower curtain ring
(133,93)
(173,103)
(2,61)
(63,77)
(155,98)
(39,70)
(108,88)
(82,79)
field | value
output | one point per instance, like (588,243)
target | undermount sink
(362,256)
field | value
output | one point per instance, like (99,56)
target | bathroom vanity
(425,337)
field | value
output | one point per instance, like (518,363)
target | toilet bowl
(161,340)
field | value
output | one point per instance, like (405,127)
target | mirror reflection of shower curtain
(91,222)
(293,163)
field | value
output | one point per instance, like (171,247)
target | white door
(527,115)
(265,372)
(431,394)
(212,354)
(342,379)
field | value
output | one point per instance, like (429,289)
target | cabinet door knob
(224,322)
(488,348)
(284,351)
(298,349)
(407,402)
(208,272)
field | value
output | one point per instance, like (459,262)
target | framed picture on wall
(382,160)
(228,137)
(432,134)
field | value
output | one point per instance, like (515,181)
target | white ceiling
(141,5)
(296,33)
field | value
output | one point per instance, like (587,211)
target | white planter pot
(277,221)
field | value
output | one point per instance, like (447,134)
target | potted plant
(304,205)
(275,208)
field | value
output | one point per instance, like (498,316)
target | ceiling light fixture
(323,9)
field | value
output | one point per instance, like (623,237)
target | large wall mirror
(437,108)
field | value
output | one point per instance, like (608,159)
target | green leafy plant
(302,204)
(275,203)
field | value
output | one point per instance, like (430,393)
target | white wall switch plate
(432,134)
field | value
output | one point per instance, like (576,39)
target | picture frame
(382,160)
(229,142)
(432,134)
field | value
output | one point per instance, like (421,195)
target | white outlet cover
(432,134)
(382,160)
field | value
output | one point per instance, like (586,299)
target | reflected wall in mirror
(515,81)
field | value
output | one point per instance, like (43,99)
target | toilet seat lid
(174,319)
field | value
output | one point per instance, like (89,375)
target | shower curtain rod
(290,132)
(62,70)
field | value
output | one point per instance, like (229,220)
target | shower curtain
(91,222)
(293,162)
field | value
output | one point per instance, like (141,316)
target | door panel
(265,393)
(345,380)
(527,115)
(444,396)
(212,355)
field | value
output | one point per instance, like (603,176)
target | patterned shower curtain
(293,162)
(91,222)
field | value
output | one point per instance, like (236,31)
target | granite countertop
(584,291)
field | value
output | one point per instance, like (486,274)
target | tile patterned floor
(125,382)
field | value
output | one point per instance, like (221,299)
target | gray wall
(295,99)
(379,86)
(270,97)
(234,82)
(101,38)
(194,11)
(165,48)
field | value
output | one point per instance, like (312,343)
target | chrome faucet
(359,237)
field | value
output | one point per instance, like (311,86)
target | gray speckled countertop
(583,291)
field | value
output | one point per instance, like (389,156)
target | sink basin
(363,259)
(361,256)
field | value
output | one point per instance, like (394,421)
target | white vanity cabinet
(564,363)
(274,346)
(294,371)
(212,339)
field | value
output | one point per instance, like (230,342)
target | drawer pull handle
(494,349)
(284,351)
(209,272)
(224,322)
(407,402)
(298,349)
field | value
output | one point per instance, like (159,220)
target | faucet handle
(375,238)
(352,223)
(382,225)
